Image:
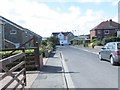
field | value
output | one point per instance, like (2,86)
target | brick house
(105,29)
(15,35)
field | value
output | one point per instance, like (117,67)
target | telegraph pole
(78,30)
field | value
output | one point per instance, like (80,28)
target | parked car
(111,52)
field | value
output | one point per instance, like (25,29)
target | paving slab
(52,75)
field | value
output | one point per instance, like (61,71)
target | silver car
(111,52)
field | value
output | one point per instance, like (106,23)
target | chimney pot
(110,22)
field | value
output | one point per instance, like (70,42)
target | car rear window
(118,45)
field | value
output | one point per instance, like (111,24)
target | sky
(46,16)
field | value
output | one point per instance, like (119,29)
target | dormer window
(13,32)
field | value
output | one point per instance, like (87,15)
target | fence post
(24,73)
(41,61)
(35,52)
(34,41)
(37,57)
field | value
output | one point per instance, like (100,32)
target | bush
(81,42)
(95,40)
(75,42)
(44,42)
(49,46)
(91,44)
(54,41)
(98,43)
(85,43)
(110,39)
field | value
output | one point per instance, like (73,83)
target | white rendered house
(64,37)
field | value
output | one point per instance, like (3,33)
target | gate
(6,73)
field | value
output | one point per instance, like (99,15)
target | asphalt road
(87,71)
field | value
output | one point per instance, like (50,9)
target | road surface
(87,71)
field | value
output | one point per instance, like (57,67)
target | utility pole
(78,34)
(78,30)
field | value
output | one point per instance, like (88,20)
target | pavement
(51,76)
(32,75)
(54,73)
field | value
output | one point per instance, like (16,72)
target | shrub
(91,44)
(110,39)
(95,39)
(44,42)
(75,42)
(81,42)
(97,43)
(54,41)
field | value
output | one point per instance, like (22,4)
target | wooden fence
(35,63)
(6,73)
(15,66)
(32,62)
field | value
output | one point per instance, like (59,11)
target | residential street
(87,71)
(60,44)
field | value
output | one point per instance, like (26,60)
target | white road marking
(95,53)
(68,78)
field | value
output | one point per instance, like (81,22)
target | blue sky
(47,16)
(101,6)
(107,7)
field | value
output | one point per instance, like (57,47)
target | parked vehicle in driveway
(111,52)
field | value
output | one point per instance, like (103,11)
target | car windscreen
(118,45)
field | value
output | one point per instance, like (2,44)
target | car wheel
(100,56)
(112,60)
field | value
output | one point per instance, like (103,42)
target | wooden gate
(8,76)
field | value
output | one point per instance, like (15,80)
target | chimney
(110,22)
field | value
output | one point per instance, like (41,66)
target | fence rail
(36,54)
(10,72)
(21,65)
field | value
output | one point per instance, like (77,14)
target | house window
(99,32)
(13,32)
(106,31)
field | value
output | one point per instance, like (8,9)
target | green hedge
(28,52)
(97,43)
(110,39)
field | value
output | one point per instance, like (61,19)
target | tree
(53,40)
(44,42)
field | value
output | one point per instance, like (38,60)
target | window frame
(98,31)
(13,31)
(107,31)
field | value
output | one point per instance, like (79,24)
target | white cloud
(43,20)
(113,2)
(115,18)
(75,11)
(86,1)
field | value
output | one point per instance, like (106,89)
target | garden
(96,42)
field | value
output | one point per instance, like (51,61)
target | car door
(103,51)
(109,51)
(106,51)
